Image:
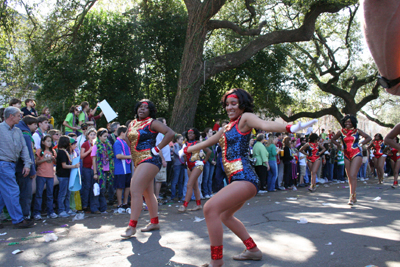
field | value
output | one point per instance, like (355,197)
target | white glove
(199,163)
(302,125)
(154,152)
(181,153)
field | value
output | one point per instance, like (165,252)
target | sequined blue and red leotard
(142,139)
(350,140)
(235,159)
(395,155)
(191,158)
(378,148)
(313,154)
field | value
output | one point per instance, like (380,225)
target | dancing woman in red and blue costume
(350,136)
(315,150)
(394,161)
(195,167)
(392,140)
(379,157)
(142,132)
(234,140)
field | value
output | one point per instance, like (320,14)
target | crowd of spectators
(34,155)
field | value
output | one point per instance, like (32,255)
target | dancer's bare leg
(221,207)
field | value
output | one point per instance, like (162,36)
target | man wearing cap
(12,147)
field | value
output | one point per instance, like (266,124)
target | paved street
(335,235)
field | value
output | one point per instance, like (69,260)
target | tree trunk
(191,77)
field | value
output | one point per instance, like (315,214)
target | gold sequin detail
(229,167)
(133,136)
(195,156)
(200,167)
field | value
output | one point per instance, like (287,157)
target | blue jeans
(362,173)
(87,182)
(272,175)
(9,192)
(63,194)
(329,170)
(98,203)
(25,193)
(179,174)
(207,178)
(340,172)
(40,182)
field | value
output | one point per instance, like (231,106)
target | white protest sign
(108,112)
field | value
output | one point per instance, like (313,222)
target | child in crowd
(15,103)
(45,160)
(63,170)
(103,169)
(29,109)
(70,120)
(87,170)
(46,113)
(55,136)
(43,127)
(122,170)
(74,147)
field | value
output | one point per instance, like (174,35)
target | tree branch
(374,95)
(377,121)
(332,110)
(303,33)
(225,24)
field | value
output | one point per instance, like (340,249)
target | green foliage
(120,58)
(261,76)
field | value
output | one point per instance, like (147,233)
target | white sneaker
(294,188)
(207,196)
(52,216)
(37,217)
(63,214)
(71,212)
(362,179)
(321,181)
(104,212)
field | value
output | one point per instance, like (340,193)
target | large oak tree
(203,19)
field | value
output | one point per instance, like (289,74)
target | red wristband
(288,128)
(156,149)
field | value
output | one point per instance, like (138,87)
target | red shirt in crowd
(87,161)
(216,127)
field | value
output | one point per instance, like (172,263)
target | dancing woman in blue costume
(234,140)
(142,132)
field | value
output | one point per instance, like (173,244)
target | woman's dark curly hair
(313,138)
(196,133)
(152,108)
(379,135)
(352,118)
(245,99)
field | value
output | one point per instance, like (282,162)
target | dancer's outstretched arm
(390,137)
(252,121)
(209,142)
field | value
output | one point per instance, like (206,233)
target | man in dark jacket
(27,125)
